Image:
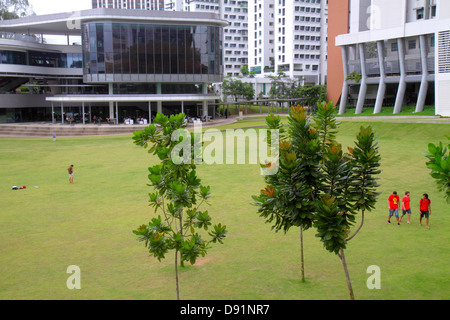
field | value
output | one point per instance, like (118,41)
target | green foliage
(439,164)
(238,89)
(317,184)
(313,95)
(325,122)
(332,227)
(354,76)
(178,195)
(13,9)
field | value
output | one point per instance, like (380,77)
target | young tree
(349,187)
(238,89)
(178,195)
(439,164)
(289,197)
(318,184)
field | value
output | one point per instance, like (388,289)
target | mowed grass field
(51,225)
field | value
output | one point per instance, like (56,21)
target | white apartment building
(129,4)
(235,37)
(289,36)
(397,53)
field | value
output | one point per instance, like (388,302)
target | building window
(411,44)
(420,13)
(394,46)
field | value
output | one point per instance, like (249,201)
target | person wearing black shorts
(424,209)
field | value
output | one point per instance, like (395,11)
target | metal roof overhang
(133,98)
(69,23)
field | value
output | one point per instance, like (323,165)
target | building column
(53,113)
(424,83)
(382,86)
(402,83)
(149,112)
(205,110)
(344,94)
(62,113)
(82,111)
(117,113)
(363,88)
(111,103)
(159,106)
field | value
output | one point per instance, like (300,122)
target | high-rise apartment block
(129,4)
(289,36)
(235,35)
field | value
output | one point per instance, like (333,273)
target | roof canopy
(69,23)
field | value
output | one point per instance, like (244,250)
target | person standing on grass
(424,208)
(70,170)
(406,208)
(393,201)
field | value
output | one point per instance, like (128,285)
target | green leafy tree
(238,89)
(439,164)
(13,9)
(178,195)
(318,184)
(349,188)
(288,200)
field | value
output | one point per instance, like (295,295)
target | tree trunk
(176,274)
(349,284)
(302,261)
(181,232)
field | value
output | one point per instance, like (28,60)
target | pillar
(402,83)
(382,86)
(424,83)
(82,111)
(363,88)
(344,94)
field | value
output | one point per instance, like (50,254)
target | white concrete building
(397,53)
(289,36)
(235,37)
(129,4)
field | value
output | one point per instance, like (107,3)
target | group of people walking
(394,202)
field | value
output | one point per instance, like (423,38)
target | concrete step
(9,130)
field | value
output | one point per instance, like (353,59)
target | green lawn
(89,224)
(389,111)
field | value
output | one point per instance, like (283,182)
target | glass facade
(127,48)
(42,59)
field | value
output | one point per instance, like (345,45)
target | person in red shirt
(424,208)
(393,200)
(406,208)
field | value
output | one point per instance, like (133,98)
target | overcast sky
(55,6)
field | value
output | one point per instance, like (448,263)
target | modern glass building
(128,64)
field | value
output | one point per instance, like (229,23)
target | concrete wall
(337,24)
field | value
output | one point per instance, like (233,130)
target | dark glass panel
(117,49)
(158,49)
(182,49)
(141,50)
(133,49)
(125,47)
(149,38)
(190,50)
(165,54)
(174,49)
